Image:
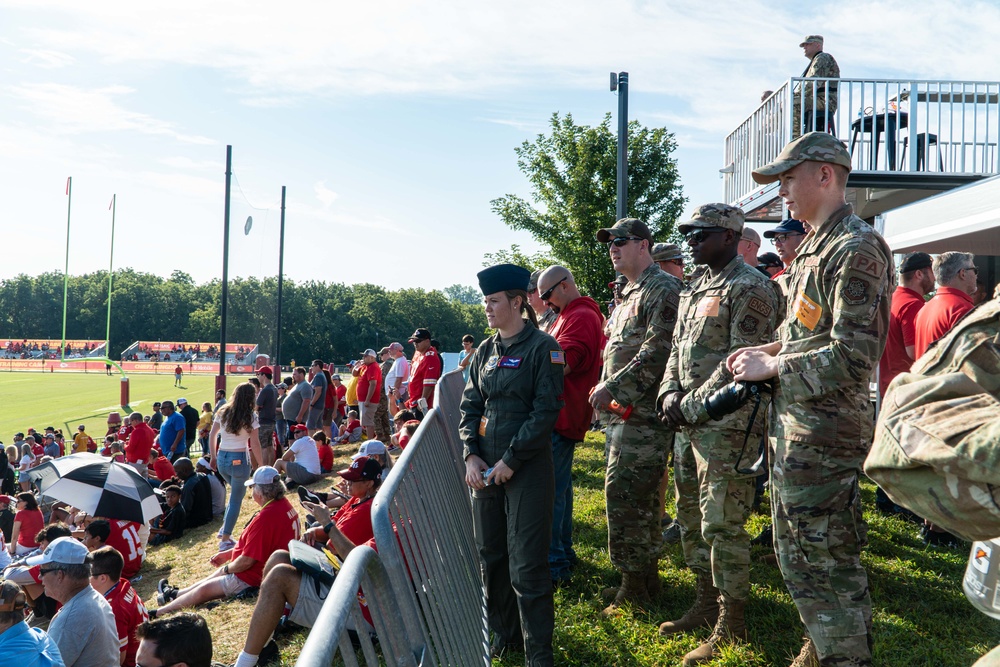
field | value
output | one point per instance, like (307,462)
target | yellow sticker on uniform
(557,357)
(708,307)
(483,421)
(807,311)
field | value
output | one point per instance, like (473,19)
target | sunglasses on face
(547,293)
(702,234)
(619,242)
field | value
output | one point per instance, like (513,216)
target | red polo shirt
(424,372)
(906,303)
(579,332)
(140,443)
(939,315)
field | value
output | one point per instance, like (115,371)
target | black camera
(734,396)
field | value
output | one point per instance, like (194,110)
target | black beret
(503,277)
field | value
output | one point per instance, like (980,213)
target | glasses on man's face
(781,238)
(678,262)
(547,293)
(702,234)
(44,571)
(973,269)
(621,241)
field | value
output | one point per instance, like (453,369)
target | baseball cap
(812,39)
(532,280)
(156,405)
(420,334)
(769,259)
(263,475)
(369,448)
(750,234)
(719,216)
(335,376)
(786,226)
(81,427)
(63,550)
(811,147)
(914,261)
(395,346)
(182,401)
(383,350)
(6,499)
(300,427)
(12,597)
(266,370)
(623,228)
(50,435)
(665,252)
(368,353)
(361,469)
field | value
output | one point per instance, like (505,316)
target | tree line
(332,321)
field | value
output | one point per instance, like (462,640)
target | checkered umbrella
(98,486)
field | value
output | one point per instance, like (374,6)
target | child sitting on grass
(170,526)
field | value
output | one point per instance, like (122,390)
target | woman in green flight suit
(509,407)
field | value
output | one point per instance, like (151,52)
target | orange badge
(483,421)
(807,311)
(708,307)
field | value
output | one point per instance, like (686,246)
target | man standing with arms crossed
(369,387)
(578,329)
(730,306)
(836,317)
(397,378)
(635,356)
(267,404)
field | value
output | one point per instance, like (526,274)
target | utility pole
(619,82)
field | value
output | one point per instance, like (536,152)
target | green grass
(921,615)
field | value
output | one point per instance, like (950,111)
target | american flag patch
(557,357)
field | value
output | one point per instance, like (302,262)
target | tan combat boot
(807,656)
(704,611)
(632,590)
(728,629)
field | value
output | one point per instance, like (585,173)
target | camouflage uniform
(837,315)
(936,446)
(717,315)
(822,66)
(640,331)
(383,427)
(547,319)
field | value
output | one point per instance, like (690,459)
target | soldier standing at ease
(731,306)
(814,104)
(836,318)
(634,358)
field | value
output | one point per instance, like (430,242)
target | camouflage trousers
(819,533)
(637,457)
(716,506)
(383,427)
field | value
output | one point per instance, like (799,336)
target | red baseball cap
(362,469)
(266,370)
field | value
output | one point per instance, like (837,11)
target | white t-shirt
(306,454)
(400,368)
(234,442)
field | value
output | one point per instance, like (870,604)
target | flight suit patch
(510,362)
(557,357)
(855,292)
(708,307)
(748,325)
(491,363)
(483,421)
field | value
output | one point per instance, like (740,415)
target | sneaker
(672,534)
(309,496)
(162,586)
(226,545)
(269,655)
(168,594)
(152,613)
(290,484)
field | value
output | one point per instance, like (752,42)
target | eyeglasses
(781,238)
(678,262)
(619,242)
(43,572)
(968,268)
(702,234)
(544,296)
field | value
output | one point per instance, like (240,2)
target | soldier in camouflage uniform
(546,316)
(829,344)
(634,358)
(383,428)
(937,444)
(731,306)
(819,100)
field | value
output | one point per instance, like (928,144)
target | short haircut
(948,264)
(403,416)
(107,561)
(30,502)
(180,637)
(99,528)
(78,571)
(173,488)
(53,532)
(300,369)
(318,362)
(135,416)
(165,404)
(467,338)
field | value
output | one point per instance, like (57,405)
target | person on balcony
(812,108)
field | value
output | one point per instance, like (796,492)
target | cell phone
(340,495)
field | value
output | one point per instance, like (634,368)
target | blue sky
(392,124)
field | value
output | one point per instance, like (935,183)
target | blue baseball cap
(786,227)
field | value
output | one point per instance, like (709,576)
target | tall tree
(572,172)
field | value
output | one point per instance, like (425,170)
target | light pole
(619,82)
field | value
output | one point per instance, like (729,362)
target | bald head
(557,286)
(183,467)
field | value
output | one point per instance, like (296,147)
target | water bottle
(981,577)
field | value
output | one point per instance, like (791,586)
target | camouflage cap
(533,280)
(625,227)
(812,147)
(664,252)
(714,215)
(812,39)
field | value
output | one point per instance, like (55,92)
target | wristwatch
(226,569)
(328,527)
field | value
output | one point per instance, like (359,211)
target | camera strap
(755,468)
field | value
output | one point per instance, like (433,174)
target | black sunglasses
(544,296)
(43,572)
(619,242)
(702,234)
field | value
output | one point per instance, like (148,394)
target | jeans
(235,476)
(561,554)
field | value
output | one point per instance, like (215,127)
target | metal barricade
(448,400)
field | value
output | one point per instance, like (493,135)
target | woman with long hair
(509,408)
(236,424)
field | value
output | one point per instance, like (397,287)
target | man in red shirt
(579,331)
(139,443)
(425,369)
(369,390)
(106,578)
(956,277)
(341,392)
(916,279)
(122,536)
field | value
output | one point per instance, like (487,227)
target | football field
(66,400)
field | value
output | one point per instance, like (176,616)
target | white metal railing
(910,126)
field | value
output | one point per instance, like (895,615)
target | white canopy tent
(965,219)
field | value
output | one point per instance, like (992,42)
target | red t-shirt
(579,330)
(271,529)
(938,316)
(163,469)
(124,538)
(325,456)
(178,370)
(37,449)
(906,303)
(342,398)
(370,373)
(124,432)
(140,443)
(354,519)
(129,613)
(424,372)
(32,521)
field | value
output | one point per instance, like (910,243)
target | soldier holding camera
(730,306)
(837,301)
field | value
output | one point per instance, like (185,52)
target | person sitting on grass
(196,493)
(122,536)
(398,421)
(350,430)
(160,467)
(27,522)
(325,452)
(171,525)
(242,567)
(106,578)
(181,639)
(217,483)
(375,449)
(359,482)
(301,462)
(409,428)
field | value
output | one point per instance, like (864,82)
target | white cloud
(325,195)
(46,58)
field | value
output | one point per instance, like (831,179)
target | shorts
(368,414)
(298,473)
(314,420)
(266,435)
(231,585)
(327,416)
(312,595)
